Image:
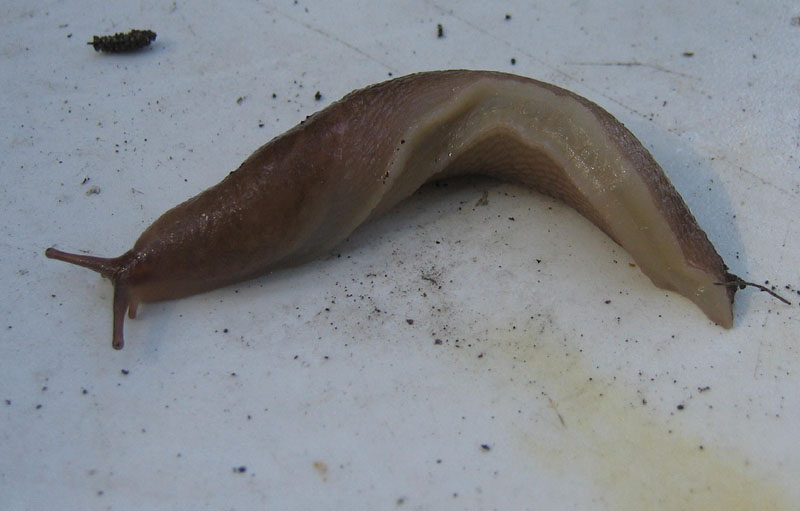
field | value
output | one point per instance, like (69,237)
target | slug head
(121,271)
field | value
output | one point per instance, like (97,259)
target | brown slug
(306,190)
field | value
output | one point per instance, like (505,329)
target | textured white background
(313,379)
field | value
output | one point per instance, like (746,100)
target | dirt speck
(322,469)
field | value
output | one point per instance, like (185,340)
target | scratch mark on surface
(758,360)
(555,409)
(332,37)
(633,63)
(760,179)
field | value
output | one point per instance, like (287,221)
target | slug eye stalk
(113,269)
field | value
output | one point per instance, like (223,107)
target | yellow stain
(594,430)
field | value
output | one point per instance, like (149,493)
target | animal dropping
(123,42)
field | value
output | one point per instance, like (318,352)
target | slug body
(305,191)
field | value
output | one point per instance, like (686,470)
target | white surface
(312,378)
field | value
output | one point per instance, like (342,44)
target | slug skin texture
(302,193)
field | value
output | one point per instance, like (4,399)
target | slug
(306,190)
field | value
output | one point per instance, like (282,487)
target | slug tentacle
(105,266)
(121,300)
(116,269)
(307,190)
